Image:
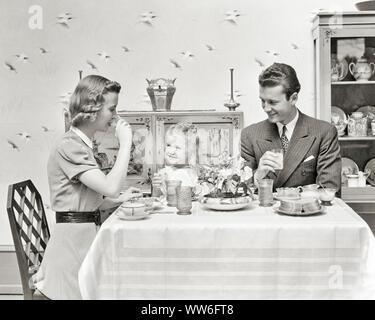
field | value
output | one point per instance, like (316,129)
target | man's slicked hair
(280,74)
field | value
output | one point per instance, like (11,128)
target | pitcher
(362,70)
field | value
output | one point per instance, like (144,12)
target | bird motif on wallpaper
(64,19)
(24,135)
(236,94)
(210,47)
(294,46)
(92,65)
(147,18)
(104,56)
(175,64)
(125,49)
(45,129)
(232,16)
(43,51)
(187,54)
(273,53)
(259,62)
(10,67)
(13,145)
(22,58)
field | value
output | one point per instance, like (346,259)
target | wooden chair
(30,232)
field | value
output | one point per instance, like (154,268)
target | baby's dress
(187,176)
(57,277)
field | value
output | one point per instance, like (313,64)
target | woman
(78,188)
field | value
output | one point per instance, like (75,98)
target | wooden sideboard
(217,132)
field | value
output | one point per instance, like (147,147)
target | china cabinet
(217,133)
(344,56)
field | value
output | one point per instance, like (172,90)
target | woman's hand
(158,180)
(131,193)
(124,132)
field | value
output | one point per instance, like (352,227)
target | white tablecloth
(248,254)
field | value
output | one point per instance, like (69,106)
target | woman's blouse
(70,158)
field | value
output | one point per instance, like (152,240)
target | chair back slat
(29,228)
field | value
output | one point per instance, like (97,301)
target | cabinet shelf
(346,138)
(340,83)
(359,194)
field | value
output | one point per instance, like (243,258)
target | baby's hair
(87,98)
(189,130)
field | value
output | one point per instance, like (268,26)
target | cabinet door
(217,135)
(346,84)
(141,157)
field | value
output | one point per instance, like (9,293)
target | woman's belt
(78,217)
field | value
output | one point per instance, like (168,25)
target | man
(311,149)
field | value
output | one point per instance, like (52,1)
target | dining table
(251,253)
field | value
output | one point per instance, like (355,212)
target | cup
(280,158)
(184,194)
(265,192)
(172,192)
(353,180)
(156,190)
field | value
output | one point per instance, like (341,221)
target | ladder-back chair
(30,232)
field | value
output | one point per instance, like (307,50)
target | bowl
(133,208)
(292,193)
(225,204)
(365,6)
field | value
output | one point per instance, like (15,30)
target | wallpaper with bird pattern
(131,40)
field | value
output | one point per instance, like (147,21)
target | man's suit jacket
(311,137)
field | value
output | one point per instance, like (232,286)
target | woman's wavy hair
(188,130)
(87,98)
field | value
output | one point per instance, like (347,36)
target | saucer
(300,214)
(123,216)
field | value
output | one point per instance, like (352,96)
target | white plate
(300,214)
(123,216)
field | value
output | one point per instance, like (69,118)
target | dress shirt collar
(84,138)
(289,127)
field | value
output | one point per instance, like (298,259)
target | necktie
(284,140)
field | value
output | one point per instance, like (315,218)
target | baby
(179,156)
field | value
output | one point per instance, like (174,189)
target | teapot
(362,70)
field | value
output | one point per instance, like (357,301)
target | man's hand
(268,162)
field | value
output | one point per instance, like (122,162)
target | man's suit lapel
(299,145)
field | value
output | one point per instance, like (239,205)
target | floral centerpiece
(228,179)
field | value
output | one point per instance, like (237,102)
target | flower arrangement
(230,178)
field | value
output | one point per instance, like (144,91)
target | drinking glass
(265,192)
(184,204)
(172,192)
(280,158)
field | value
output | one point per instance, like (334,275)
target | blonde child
(179,156)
